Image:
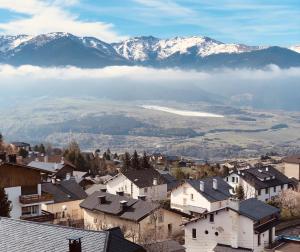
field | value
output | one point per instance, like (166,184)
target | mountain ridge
(65,49)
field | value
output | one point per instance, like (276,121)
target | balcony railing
(35,198)
(44,217)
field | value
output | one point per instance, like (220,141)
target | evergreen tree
(126,161)
(23,153)
(179,174)
(145,161)
(73,154)
(42,149)
(135,163)
(240,194)
(116,156)
(5,204)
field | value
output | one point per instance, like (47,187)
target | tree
(23,153)
(179,174)
(42,149)
(289,201)
(73,154)
(145,161)
(240,194)
(126,161)
(135,163)
(5,204)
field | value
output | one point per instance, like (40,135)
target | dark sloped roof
(144,177)
(19,236)
(212,195)
(294,159)
(171,181)
(62,191)
(227,248)
(256,209)
(136,209)
(263,177)
(166,246)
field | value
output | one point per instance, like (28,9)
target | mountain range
(64,49)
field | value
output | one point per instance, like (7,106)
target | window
(281,187)
(267,190)
(145,189)
(274,188)
(232,179)
(211,217)
(206,232)
(258,192)
(258,240)
(194,233)
(227,179)
(30,210)
(160,218)
(169,230)
(192,196)
(216,233)
(237,180)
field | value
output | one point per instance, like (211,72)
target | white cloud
(52,16)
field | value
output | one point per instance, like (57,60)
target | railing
(35,198)
(44,217)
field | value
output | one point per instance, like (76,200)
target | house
(198,196)
(134,183)
(140,220)
(263,183)
(171,181)
(67,195)
(20,145)
(248,225)
(19,236)
(62,170)
(22,184)
(292,166)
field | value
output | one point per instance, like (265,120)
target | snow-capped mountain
(295,48)
(65,49)
(148,48)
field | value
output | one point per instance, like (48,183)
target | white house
(263,183)
(148,183)
(243,226)
(292,167)
(22,184)
(199,196)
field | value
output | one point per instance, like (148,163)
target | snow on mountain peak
(295,48)
(8,42)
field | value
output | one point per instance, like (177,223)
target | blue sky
(256,22)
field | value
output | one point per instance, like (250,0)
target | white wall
(233,229)
(184,192)
(121,183)
(13,194)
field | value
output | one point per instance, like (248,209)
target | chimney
(53,181)
(103,189)
(142,197)
(102,199)
(201,186)
(215,184)
(68,176)
(123,205)
(12,158)
(120,193)
(75,244)
(155,181)
(46,159)
(267,168)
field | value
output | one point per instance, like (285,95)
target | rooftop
(211,194)
(19,236)
(136,209)
(63,191)
(144,177)
(263,177)
(295,159)
(46,166)
(227,248)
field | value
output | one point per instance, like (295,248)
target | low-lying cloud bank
(271,87)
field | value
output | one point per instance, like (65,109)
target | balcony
(44,217)
(35,198)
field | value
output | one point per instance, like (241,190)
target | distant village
(54,199)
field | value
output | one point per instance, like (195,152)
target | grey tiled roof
(67,190)
(135,211)
(256,209)
(212,195)
(21,236)
(144,178)
(227,248)
(259,177)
